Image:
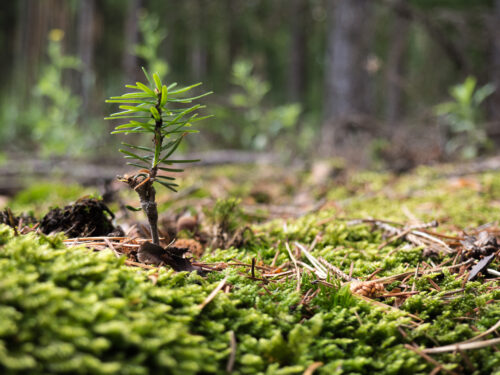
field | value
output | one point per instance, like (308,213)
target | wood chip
(480,266)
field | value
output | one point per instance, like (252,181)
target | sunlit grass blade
(184,89)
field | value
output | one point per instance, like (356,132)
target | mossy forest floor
(78,310)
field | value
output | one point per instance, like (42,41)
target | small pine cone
(367,288)
(193,246)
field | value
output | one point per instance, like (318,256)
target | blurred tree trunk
(86,50)
(495,71)
(398,44)
(198,52)
(36,18)
(131,35)
(345,74)
(28,44)
(298,51)
(234,31)
(8,23)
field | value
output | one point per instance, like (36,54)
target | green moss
(74,310)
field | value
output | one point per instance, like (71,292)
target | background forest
(408,82)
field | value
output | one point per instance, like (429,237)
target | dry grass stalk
(232,356)
(212,295)
(429,359)
(463,346)
(297,271)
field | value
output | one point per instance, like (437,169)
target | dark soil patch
(85,218)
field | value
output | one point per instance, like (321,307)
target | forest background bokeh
(390,82)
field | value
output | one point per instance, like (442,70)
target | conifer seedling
(161,111)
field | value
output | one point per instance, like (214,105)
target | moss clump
(74,311)
(78,311)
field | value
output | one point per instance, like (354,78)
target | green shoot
(156,109)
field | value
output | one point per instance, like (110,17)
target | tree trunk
(298,53)
(36,19)
(86,50)
(495,71)
(345,73)
(131,34)
(234,35)
(198,55)
(395,70)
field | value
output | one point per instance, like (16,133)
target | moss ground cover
(82,311)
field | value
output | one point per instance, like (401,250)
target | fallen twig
(212,295)
(465,346)
(429,359)
(312,367)
(232,356)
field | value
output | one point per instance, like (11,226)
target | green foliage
(258,127)
(464,118)
(51,118)
(156,110)
(40,196)
(55,127)
(226,214)
(152,37)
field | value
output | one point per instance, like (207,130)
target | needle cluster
(161,111)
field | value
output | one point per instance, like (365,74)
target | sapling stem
(151,114)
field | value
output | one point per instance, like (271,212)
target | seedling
(158,110)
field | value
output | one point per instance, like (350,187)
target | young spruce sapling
(161,111)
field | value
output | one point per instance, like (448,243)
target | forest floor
(325,271)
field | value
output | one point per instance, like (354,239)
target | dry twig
(212,295)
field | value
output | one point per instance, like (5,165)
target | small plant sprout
(158,110)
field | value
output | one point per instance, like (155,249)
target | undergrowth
(77,311)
